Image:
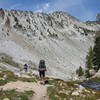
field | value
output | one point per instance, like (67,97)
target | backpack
(42,66)
(25,66)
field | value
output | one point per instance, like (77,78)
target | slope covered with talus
(58,38)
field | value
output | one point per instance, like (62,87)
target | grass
(9,60)
(62,95)
(29,92)
(11,77)
(14,95)
(58,91)
(95,79)
(1,75)
(52,93)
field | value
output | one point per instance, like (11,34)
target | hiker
(42,69)
(25,67)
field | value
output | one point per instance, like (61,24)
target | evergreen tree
(96,60)
(89,59)
(87,74)
(80,71)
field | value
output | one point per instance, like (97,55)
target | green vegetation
(87,74)
(29,92)
(96,60)
(52,93)
(89,65)
(60,90)
(7,59)
(80,71)
(14,95)
(89,62)
(95,79)
(89,59)
(11,77)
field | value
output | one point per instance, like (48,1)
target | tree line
(92,60)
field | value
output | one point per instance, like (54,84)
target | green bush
(14,95)
(89,59)
(87,74)
(80,71)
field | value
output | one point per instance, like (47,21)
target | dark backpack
(25,66)
(42,66)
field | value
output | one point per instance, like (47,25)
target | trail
(40,90)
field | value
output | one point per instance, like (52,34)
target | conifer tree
(80,71)
(89,59)
(96,60)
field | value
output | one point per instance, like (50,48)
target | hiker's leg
(43,74)
(40,74)
(25,69)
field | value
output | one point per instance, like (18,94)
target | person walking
(25,67)
(42,69)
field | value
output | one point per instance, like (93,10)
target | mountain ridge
(60,39)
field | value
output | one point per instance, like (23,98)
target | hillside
(59,38)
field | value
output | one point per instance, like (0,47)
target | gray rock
(6,99)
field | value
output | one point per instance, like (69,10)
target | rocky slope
(13,87)
(58,38)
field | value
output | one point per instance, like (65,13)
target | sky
(82,9)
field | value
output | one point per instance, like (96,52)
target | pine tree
(96,60)
(89,59)
(80,71)
(87,74)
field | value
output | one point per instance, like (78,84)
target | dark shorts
(25,69)
(42,73)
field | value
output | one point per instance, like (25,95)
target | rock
(25,76)
(6,99)
(0,70)
(61,84)
(87,91)
(75,93)
(82,78)
(81,88)
(92,72)
(97,74)
(5,77)
(67,92)
(17,74)
(93,92)
(71,99)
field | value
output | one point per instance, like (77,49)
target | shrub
(89,59)
(80,71)
(87,74)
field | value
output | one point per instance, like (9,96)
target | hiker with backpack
(25,67)
(42,69)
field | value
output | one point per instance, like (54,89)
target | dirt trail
(40,90)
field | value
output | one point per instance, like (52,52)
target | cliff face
(58,38)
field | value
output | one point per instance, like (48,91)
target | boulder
(92,72)
(97,74)
(6,99)
(75,93)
